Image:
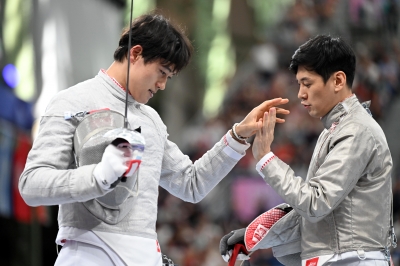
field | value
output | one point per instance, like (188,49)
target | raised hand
(265,135)
(253,121)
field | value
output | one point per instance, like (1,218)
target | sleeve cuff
(235,145)
(263,162)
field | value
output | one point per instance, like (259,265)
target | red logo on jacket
(312,262)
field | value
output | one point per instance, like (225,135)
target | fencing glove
(230,242)
(113,165)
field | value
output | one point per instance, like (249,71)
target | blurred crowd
(190,233)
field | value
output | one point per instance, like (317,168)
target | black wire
(129,63)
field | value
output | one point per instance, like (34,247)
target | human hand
(133,153)
(265,135)
(253,121)
(112,166)
(228,242)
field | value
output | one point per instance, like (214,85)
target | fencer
(345,201)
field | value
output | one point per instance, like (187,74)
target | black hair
(325,55)
(160,39)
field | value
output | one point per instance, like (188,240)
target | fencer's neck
(117,70)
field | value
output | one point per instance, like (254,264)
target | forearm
(48,177)
(48,186)
(193,181)
(317,197)
(309,201)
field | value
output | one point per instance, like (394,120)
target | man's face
(315,95)
(147,79)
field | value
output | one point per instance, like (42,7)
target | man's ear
(339,79)
(136,52)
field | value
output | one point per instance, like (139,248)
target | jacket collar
(115,88)
(340,110)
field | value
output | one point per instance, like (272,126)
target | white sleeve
(263,162)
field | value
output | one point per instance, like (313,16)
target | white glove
(240,256)
(112,166)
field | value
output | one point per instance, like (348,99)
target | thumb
(259,123)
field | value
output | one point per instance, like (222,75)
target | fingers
(282,111)
(277,101)
(259,132)
(280,120)
(267,105)
(265,135)
(266,121)
(272,116)
(259,123)
(269,120)
(271,123)
(223,245)
(237,237)
(273,102)
(254,120)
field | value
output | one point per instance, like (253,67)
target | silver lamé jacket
(51,177)
(345,200)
